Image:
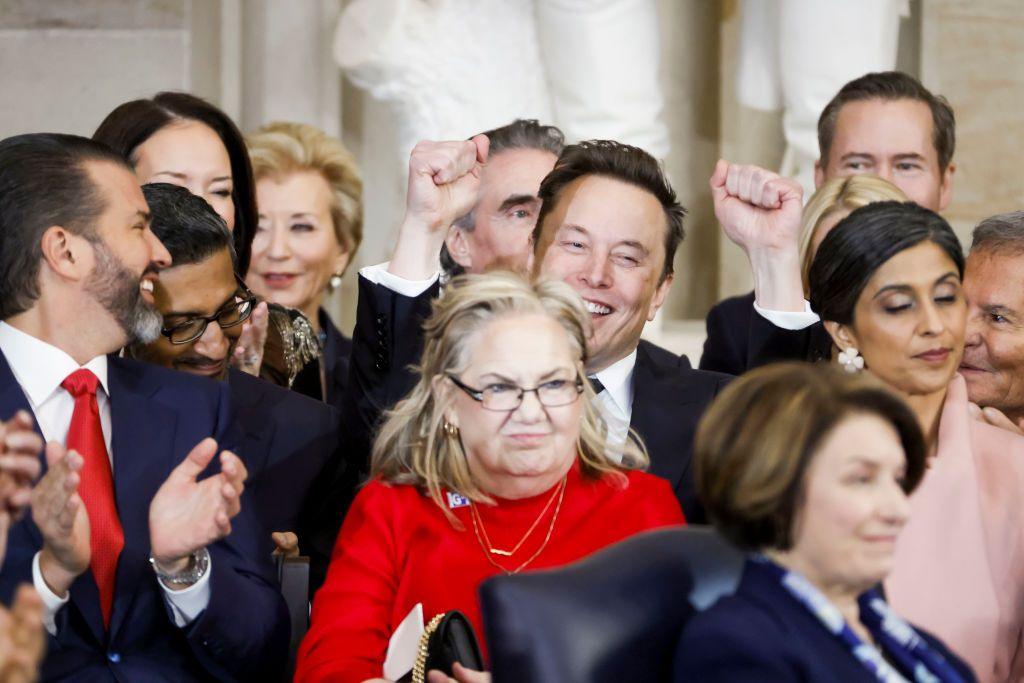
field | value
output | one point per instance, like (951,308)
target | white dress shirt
(616,400)
(789,320)
(40,368)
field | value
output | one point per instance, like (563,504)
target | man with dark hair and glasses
(289,442)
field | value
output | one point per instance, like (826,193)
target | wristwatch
(197,567)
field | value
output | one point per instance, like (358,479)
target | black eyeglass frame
(478,394)
(249,298)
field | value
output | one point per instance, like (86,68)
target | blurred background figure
(795,54)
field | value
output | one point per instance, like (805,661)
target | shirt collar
(40,367)
(617,381)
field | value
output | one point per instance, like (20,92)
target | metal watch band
(198,565)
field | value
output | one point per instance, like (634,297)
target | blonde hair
(282,148)
(839,196)
(413,447)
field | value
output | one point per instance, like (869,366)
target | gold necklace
(477,517)
(543,545)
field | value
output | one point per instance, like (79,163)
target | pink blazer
(959,566)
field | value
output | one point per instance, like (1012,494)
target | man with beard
(144,565)
(290,444)
(609,225)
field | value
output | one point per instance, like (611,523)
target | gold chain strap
(419,667)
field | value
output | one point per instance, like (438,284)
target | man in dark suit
(140,545)
(886,124)
(291,444)
(609,226)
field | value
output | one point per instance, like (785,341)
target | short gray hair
(1003,233)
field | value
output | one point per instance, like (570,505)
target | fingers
(996,418)
(446,162)
(483,146)
(197,460)
(286,543)
(749,183)
(718,191)
(464,675)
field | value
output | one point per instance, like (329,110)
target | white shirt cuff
(189,603)
(51,602)
(789,320)
(379,275)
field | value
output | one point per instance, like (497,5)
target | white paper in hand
(404,643)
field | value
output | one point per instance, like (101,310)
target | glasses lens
(235,314)
(558,392)
(501,397)
(187,331)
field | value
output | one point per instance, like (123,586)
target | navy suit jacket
(299,478)
(669,396)
(762,633)
(158,415)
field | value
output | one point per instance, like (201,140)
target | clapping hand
(444,181)
(760,211)
(58,511)
(19,467)
(187,515)
(22,639)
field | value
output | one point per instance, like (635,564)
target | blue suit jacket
(762,633)
(158,415)
(295,451)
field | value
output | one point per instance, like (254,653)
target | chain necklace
(560,492)
(509,553)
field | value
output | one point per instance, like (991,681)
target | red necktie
(106,538)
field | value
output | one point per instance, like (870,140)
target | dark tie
(106,538)
(596,383)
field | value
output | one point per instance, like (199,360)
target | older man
(144,565)
(993,362)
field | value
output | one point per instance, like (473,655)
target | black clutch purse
(447,639)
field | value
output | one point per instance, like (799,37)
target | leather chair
(614,617)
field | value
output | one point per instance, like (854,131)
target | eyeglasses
(231,315)
(505,397)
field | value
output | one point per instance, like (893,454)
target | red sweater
(397,548)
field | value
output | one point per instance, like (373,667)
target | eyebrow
(632,244)
(516,200)
(907,288)
(183,176)
(193,314)
(999,309)
(502,378)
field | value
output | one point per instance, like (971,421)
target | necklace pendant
(503,553)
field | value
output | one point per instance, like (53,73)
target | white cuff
(379,275)
(189,603)
(51,602)
(789,320)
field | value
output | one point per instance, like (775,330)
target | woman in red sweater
(493,464)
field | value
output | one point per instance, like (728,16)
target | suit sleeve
(387,339)
(351,621)
(770,343)
(731,651)
(243,632)
(721,352)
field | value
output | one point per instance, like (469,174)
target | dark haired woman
(809,469)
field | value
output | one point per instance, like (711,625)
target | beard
(117,289)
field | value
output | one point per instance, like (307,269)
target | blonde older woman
(496,462)
(309,199)
(727,347)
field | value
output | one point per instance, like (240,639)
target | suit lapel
(142,445)
(657,402)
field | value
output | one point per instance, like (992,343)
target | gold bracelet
(419,668)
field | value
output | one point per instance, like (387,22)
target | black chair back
(614,617)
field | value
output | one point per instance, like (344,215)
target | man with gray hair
(993,362)
(495,234)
